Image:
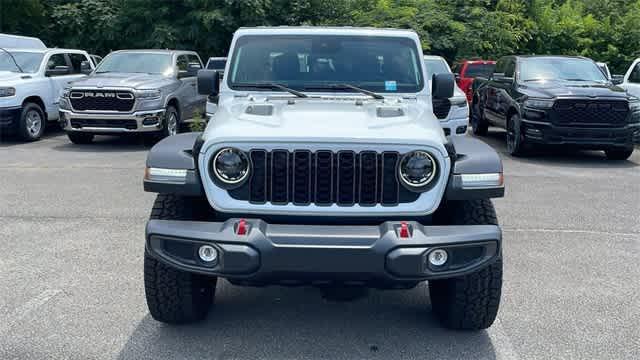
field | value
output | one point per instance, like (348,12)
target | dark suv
(556,100)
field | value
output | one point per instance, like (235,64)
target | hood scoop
(259,110)
(389,112)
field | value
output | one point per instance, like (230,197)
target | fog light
(438,257)
(208,253)
(150,121)
(461,130)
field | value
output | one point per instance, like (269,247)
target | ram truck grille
(324,177)
(102,100)
(570,112)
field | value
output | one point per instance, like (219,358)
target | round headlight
(231,166)
(417,169)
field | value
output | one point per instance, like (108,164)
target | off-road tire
(175,296)
(479,125)
(80,137)
(469,302)
(24,129)
(618,154)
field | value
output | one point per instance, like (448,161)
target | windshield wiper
(272,86)
(14,59)
(344,87)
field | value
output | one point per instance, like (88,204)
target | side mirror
(617,79)
(57,71)
(208,82)
(85,67)
(192,70)
(457,76)
(442,86)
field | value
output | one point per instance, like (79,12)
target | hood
(136,81)
(326,120)
(11,78)
(552,89)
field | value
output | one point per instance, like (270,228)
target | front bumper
(136,122)
(376,256)
(10,115)
(455,127)
(587,137)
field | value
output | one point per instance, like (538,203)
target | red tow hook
(404,230)
(241,228)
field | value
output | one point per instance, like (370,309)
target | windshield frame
(522,61)
(14,53)
(421,86)
(171,56)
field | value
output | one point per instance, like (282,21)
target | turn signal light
(404,230)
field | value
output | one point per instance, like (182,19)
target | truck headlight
(538,103)
(417,169)
(230,166)
(148,94)
(459,101)
(65,93)
(7,91)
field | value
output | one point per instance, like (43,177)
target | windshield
(315,62)
(569,69)
(436,66)
(479,70)
(216,64)
(28,61)
(133,62)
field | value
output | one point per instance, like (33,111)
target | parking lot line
(28,307)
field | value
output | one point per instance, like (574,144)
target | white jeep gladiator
(324,166)
(31,82)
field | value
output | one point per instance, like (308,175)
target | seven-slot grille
(102,100)
(592,112)
(324,177)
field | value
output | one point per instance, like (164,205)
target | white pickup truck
(631,81)
(31,81)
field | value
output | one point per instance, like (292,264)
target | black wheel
(469,302)
(171,122)
(618,154)
(479,125)
(175,296)
(80,137)
(516,145)
(32,122)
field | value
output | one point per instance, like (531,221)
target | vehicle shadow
(11,139)
(297,323)
(558,155)
(107,143)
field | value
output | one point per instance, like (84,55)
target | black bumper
(9,116)
(587,137)
(319,254)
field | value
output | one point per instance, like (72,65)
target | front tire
(618,154)
(80,137)
(171,122)
(175,296)
(32,122)
(469,302)
(479,125)
(516,145)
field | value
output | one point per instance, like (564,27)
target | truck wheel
(80,138)
(618,154)
(516,145)
(171,122)
(32,122)
(175,296)
(469,302)
(479,125)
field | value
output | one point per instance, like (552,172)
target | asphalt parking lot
(71,242)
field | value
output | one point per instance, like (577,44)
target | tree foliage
(605,30)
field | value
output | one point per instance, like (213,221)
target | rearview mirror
(57,71)
(208,82)
(442,85)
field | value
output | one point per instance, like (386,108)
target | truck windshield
(216,64)
(558,68)
(436,66)
(29,61)
(319,62)
(136,62)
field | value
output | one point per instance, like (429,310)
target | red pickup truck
(467,70)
